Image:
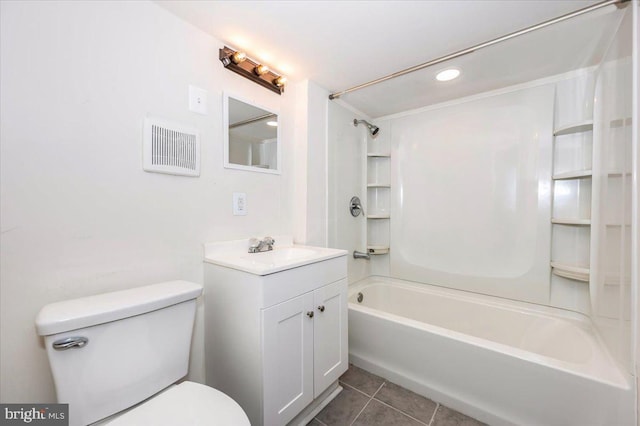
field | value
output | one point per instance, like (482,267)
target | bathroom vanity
(275,327)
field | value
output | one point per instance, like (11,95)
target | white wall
(347,157)
(310,165)
(635,209)
(79,216)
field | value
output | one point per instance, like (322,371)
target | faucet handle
(269,242)
(254,243)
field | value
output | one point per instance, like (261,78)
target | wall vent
(170,148)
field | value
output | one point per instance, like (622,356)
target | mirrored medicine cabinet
(251,137)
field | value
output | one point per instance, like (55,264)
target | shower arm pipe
(482,45)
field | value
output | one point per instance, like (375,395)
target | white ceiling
(340,44)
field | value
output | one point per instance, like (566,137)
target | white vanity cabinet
(276,343)
(304,348)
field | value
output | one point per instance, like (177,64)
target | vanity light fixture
(239,63)
(448,74)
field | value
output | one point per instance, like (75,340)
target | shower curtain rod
(482,45)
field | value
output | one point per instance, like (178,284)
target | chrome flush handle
(70,343)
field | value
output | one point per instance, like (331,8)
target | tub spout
(360,255)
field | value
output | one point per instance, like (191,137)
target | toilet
(116,358)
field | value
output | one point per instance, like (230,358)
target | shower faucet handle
(355,207)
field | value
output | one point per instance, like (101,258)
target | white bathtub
(500,361)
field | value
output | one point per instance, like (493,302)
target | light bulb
(280,81)
(261,69)
(238,57)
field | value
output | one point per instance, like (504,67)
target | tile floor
(370,400)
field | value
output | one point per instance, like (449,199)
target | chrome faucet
(257,246)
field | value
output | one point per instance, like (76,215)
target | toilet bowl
(188,403)
(115,359)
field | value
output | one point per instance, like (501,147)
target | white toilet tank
(137,343)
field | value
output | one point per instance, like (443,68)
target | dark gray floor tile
(448,417)
(376,413)
(315,422)
(343,409)
(406,401)
(362,380)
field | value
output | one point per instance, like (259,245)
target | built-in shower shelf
(378,177)
(375,250)
(378,216)
(570,221)
(574,174)
(584,126)
(617,173)
(620,122)
(576,273)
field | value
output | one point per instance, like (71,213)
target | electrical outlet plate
(239,204)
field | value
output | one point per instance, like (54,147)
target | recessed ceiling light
(448,74)
(272,123)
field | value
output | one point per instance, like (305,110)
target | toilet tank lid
(84,312)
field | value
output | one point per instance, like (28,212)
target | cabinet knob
(310,314)
(321,308)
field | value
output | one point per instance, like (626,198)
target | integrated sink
(281,255)
(285,255)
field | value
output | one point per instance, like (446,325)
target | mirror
(251,137)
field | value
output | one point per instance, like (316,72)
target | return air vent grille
(171,148)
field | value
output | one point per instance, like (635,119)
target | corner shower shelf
(375,250)
(620,122)
(570,221)
(615,173)
(572,272)
(583,126)
(577,174)
(378,216)
(577,273)
(378,164)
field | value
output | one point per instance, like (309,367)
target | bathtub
(500,361)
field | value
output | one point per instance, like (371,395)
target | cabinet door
(287,342)
(330,335)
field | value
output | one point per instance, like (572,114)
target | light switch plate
(197,100)
(239,204)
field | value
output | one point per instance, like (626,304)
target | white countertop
(285,255)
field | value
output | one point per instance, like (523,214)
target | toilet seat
(188,403)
